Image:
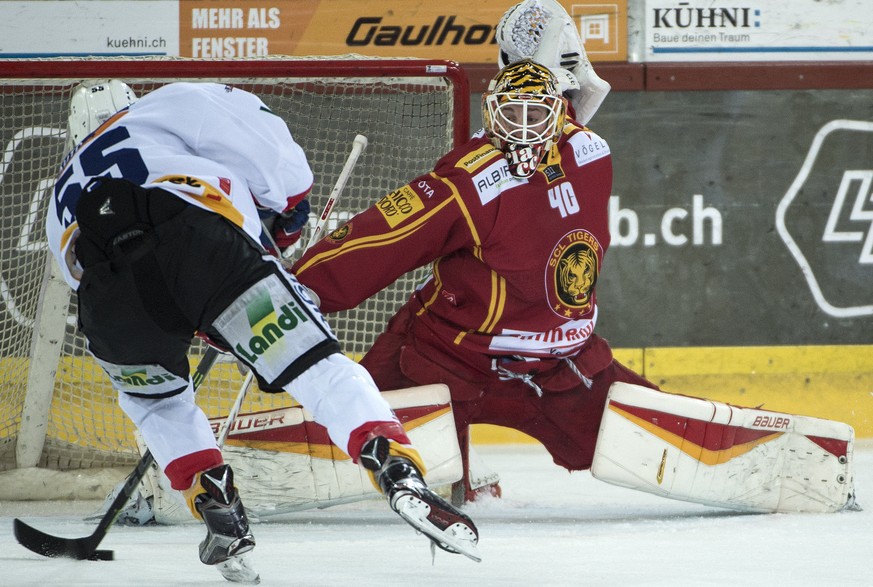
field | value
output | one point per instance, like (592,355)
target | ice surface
(551,528)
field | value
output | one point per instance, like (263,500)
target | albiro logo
(268,326)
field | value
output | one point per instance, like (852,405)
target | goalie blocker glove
(401,482)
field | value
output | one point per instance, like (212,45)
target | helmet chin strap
(523,159)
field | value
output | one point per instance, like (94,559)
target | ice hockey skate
(227,528)
(401,482)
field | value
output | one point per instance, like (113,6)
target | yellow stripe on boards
(830,382)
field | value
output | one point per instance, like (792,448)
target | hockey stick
(234,410)
(86,548)
(358,146)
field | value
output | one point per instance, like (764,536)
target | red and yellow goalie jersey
(515,260)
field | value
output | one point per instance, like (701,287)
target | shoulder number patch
(400,205)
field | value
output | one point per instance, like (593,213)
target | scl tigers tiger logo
(572,274)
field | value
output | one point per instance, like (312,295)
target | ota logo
(826,218)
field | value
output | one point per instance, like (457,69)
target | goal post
(57,409)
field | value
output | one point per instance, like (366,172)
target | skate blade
(237,569)
(457,538)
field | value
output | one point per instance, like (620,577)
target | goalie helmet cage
(57,409)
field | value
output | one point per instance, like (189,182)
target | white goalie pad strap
(284,462)
(154,499)
(716,454)
(480,474)
(168,505)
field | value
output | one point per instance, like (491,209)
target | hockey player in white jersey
(155,223)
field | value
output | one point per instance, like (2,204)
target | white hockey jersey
(217,147)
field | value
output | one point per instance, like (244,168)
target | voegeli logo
(826,218)
(852,200)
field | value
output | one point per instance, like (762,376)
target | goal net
(57,409)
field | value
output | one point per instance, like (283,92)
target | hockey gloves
(288,226)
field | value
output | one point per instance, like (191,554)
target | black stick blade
(86,548)
(55,546)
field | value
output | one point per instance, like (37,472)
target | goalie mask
(93,103)
(523,113)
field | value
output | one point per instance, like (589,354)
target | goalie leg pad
(284,462)
(716,454)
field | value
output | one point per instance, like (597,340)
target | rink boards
(831,382)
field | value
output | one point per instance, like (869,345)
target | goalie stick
(358,146)
(86,548)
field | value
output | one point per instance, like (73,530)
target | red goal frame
(291,67)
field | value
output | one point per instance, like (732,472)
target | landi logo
(139,376)
(826,218)
(267,325)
